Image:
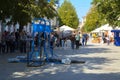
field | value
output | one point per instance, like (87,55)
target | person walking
(84,39)
(77,40)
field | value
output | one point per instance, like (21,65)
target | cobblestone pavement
(102,62)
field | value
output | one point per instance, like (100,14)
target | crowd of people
(73,41)
(10,42)
(105,37)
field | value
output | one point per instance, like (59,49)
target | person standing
(17,37)
(52,41)
(23,38)
(108,39)
(62,42)
(12,42)
(77,39)
(72,38)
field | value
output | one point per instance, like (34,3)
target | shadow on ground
(19,71)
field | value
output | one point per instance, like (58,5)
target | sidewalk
(102,63)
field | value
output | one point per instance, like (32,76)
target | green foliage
(67,15)
(93,20)
(6,7)
(102,12)
(23,11)
(110,9)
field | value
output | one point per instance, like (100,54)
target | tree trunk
(0,25)
(20,28)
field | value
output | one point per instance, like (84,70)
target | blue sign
(39,27)
(116,37)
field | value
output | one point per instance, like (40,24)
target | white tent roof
(96,30)
(103,28)
(64,28)
(118,28)
(106,27)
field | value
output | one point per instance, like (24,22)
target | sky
(81,6)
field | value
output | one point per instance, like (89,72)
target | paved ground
(102,63)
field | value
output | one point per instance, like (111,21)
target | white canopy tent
(65,28)
(118,28)
(64,31)
(105,27)
(96,30)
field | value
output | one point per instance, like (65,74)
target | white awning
(103,28)
(64,28)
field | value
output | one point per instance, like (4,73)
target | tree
(6,7)
(93,20)
(67,15)
(110,9)
(23,11)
